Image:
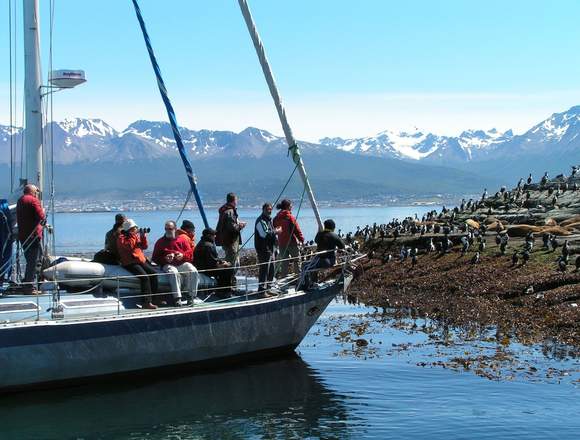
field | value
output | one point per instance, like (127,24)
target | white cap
(128,224)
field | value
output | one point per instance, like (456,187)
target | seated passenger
(187,229)
(130,243)
(327,240)
(110,254)
(205,258)
(173,253)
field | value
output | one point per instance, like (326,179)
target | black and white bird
(526,257)
(515,258)
(475,259)
(561,264)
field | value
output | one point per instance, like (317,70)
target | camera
(144,230)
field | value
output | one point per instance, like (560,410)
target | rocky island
(508,260)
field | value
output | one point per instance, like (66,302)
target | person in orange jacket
(187,229)
(130,244)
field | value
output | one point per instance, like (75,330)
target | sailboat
(67,336)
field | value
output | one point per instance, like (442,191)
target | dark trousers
(148,283)
(267,269)
(32,253)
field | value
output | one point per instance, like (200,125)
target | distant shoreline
(322,206)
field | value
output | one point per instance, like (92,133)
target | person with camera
(265,241)
(173,254)
(30,218)
(131,243)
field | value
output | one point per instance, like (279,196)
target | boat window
(17,307)
(89,303)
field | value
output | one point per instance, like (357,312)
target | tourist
(327,240)
(228,232)
(111,239)
(205,258)
(187,230)
(265,240)
(130,244)
(173,254)
(30,218)
(289,238)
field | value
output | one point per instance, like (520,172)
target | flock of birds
(440,228)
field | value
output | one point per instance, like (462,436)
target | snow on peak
(80,127)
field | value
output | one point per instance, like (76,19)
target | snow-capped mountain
(417,145)
(93,140)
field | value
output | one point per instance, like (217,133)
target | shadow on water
(283,398)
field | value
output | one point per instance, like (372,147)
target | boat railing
(48,287)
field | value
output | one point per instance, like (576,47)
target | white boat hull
(56,351)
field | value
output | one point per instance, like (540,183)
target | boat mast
(292,145)
(32,91)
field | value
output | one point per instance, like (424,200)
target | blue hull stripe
(41,334)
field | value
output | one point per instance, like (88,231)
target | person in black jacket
(327,240)
(265,240)
(205,258)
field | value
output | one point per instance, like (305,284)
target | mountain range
(480,157)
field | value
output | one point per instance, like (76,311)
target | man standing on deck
(265,240)
(228,231)
(30,218)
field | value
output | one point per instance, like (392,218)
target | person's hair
(329,224)
(266,205)
(284,204)
(29,189)
(187,224)
(208,231)
(120,218)
(230,197)
(171,222)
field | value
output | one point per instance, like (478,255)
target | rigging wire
(10,104)
(274,205)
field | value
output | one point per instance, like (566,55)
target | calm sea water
(403,384)
(359,373)
(79,232)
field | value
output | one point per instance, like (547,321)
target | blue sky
(344,68)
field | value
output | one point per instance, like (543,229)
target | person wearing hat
(205,258)
(187,229)
(113,234)
(130,244)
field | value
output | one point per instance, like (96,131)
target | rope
(170,114)
(292,144)
(183,207)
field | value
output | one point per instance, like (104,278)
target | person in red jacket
(130,245)
(289,237)
(30,218)
(173,254)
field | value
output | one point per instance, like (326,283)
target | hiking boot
(149,306)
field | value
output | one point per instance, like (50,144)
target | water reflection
(278,399)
